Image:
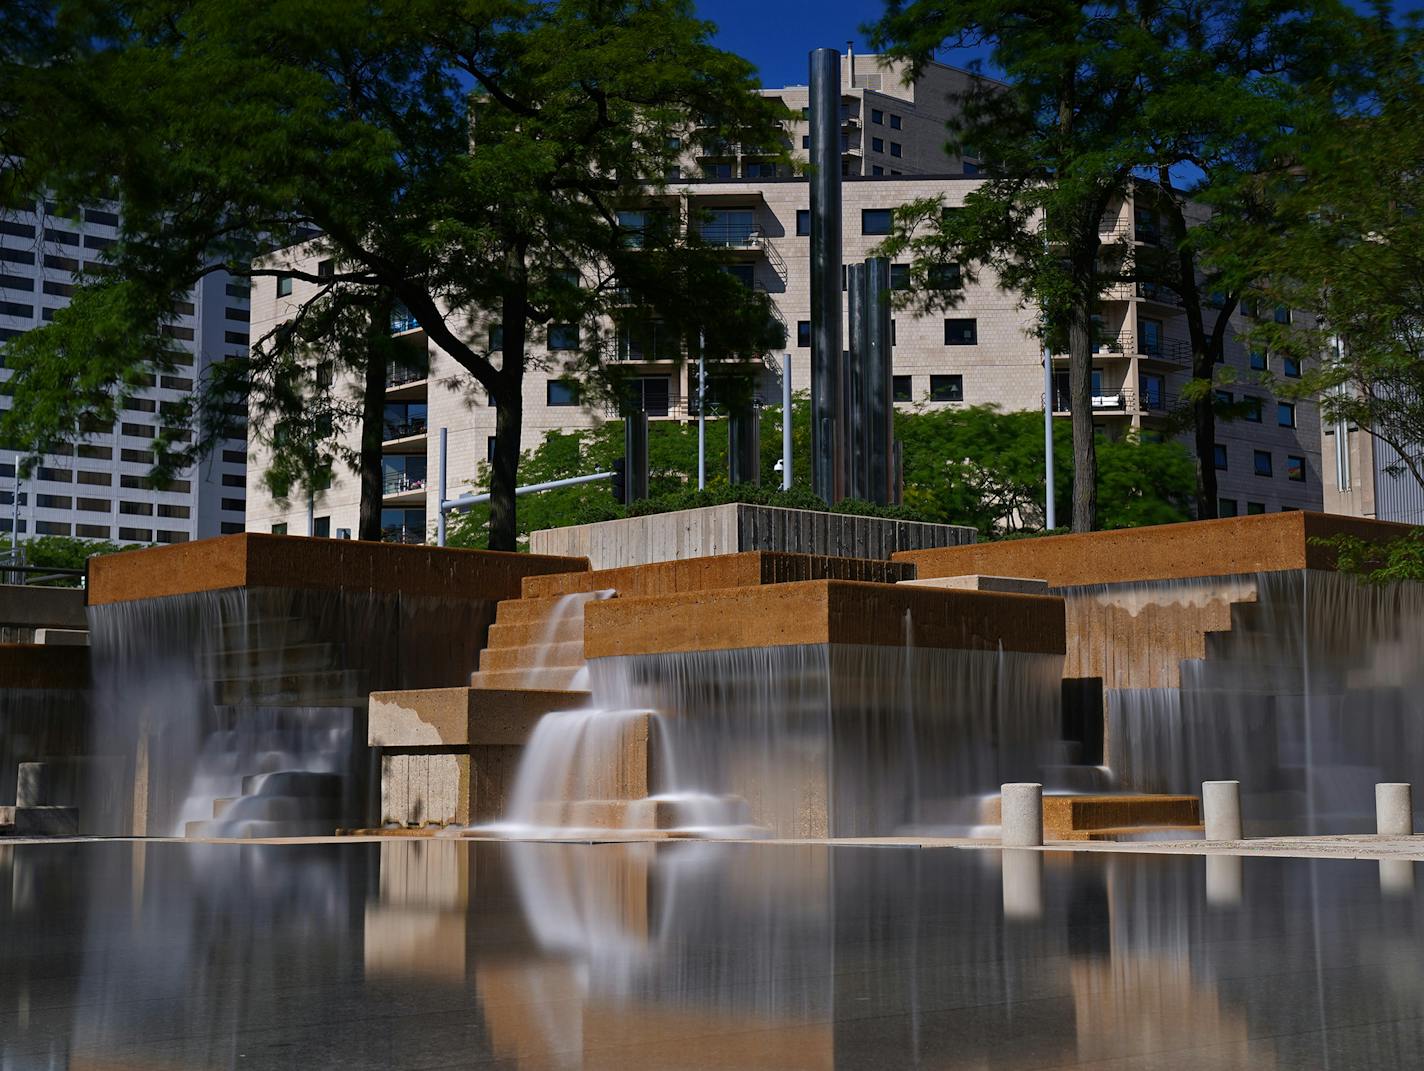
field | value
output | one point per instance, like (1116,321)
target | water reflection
(425,954)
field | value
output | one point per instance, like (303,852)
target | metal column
(878,385)
(635,453)
(786,423)
(826,345)
(852,411)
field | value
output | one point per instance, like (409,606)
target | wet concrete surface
(444,953)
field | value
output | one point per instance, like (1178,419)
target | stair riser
(544,656)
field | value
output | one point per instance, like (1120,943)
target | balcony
(403,488)
(403,534)
(400,377)
(402,321)
(1117,402)
(1161,295)
(747,236)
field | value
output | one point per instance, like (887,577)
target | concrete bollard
(1221,809)
(1021,815)
(1394,810)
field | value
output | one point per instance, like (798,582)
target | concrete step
(222,803)
(293,783)
(548,655)
(1067,815)
(554,679)
(520,611)
(1134,833)
(523,633)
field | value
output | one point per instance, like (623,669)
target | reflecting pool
(433,954)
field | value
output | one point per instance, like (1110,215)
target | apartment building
(1358,480)
(978,352)
(97,488)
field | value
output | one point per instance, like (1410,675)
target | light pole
(1050,519)
(701,411)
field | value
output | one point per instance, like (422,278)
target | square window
(759,169)
(894,122)
(1290,367)
(805,141)
(961,333)
(877,144)
(558,392)
(803,333)
(1224,397)
(899,277)
(1254,509)
(876,169)
(563,336)
(877,116)
(1285,414)
(496,338)
(803,221)
(946,388)
(876,220)
(1295,468)
(1262,463)
(1258,360)
(1253,409)
(280,528)
(902,388)
(1218,457)
(943,277)
(1226,507)
(284,286)
(325,269)
(1282,314)
(321,527)
(896,149)
(970,169)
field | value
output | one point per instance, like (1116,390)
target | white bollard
(1221,809)
(1021,815)
(1394,810)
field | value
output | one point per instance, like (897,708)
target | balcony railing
(402,321)
(1120,401)
(399,377)
(404,429)
(731,235)
(402,534)
(398,483)
(1161,294)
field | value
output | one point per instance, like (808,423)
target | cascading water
(1313,694)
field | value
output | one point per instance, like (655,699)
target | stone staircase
(536,644)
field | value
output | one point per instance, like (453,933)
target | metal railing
(1119,401)
(731,235)
(402,534)
(397,483)
(405,430)
(399,377)
(1156,292)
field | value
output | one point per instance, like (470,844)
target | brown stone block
(1068,817)
(27,665)
(1231,545)
(824,611)
(457,717)
(255,559)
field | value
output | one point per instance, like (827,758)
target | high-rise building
(980,351)
(98,487)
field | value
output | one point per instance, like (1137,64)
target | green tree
(465,162)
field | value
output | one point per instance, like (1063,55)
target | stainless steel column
(635,453)
(853,411)
(879,431)
(744,444)
(826,346)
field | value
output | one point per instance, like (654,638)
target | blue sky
(777,35)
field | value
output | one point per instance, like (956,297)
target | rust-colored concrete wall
(254,559)
(1232,545)
(27,665)
(720,571)
(823,611)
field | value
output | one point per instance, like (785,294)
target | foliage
(1376,562)
(974,465)
(63,552)
(461,160)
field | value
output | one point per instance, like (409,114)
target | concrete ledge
(747,569)
(823,611)
(1233,545)
(461,717)
(257,560)
(1012,584)
(737,527)
(33,606)
(27,665)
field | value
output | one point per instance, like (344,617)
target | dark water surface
(435,954)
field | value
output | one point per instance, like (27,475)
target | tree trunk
(509,408)
(373,407)
(1080,400)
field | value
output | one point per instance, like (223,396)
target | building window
(876,169)
(876,220)
(946,388)
(803,333)
(563,336)
(234,505)
(896,149)
(284,286)
(1224,397)
(1154,391)
(963,332)
(1218,457)
(1253,409)
(716,171)
(1290,367)
(877,144)
(894,121)
(1255,508)
(1226,507)
(1262,462)
(759,169)
(489,449)
(1282,314)
(803,222)
(559,392)
(1258,361)
(1285,414)
(805,141)
(496,338)
(1295,468)
(877,116)
(280,528)
(943,277)
(899,277)
(325,269)
(321,527)
(902,388)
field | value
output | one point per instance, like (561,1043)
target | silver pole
(827,342)
(786,422)
(528,489)
(440,524)
(311,513)
(701,412)
(1050,512)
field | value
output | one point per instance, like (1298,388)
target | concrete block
(1394,810)
(1021,815)
(48,784)
(461,717)
(977,582)
(46,821)
(1221,809)
(62,637)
